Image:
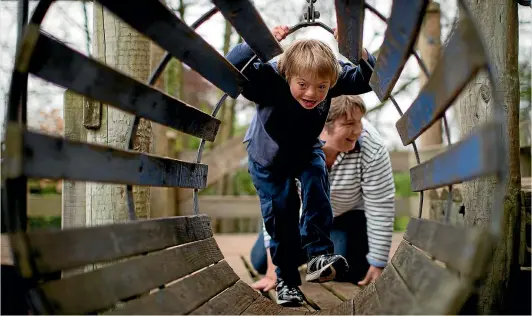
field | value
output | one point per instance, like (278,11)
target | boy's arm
(256,73)
(240,55)
(354,79)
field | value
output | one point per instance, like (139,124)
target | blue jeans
(350,239)
(280,202)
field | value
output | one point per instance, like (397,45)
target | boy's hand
(364,51)
(280,32)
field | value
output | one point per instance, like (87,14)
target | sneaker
(288,295)
(324,268)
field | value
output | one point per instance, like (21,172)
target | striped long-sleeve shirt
(362,180)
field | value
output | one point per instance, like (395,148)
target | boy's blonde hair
(309,56)
(342,105)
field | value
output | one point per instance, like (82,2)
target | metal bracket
(311,15)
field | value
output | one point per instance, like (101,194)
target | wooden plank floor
(236,249)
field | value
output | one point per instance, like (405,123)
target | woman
(362,196)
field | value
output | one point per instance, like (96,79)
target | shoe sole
(285,303)
(318,276)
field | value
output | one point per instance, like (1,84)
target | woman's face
(344,132)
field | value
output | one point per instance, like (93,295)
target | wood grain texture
(161,25)
(403,27)
(62,65)
(248,22)
(367,302)
(70,248)
(232,301)
(436,290)
(475,156)
(52,157)
(185,295)
(394,295)
(344,308)
(463,250)
(102,288)
(264,306)
(461,60)
(343,290)
(350,21)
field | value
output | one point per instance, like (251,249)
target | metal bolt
(316,14)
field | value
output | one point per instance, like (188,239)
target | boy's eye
(301,84)
(322,86)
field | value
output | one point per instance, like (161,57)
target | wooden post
(498,25)
(429,45)
(123,48)
(73,193)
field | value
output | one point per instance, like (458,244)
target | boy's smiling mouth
(308,103)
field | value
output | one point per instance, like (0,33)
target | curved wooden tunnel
(173,265)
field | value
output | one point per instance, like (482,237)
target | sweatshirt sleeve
(354,79)
(378,192)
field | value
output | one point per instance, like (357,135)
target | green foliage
(402,184)
(35,188)
(400,223)
(43,222)
(243,184)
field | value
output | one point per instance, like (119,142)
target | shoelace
(290,291)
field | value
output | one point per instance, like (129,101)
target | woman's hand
(373,274)
(268,282)
(280,32)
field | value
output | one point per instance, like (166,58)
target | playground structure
(173,265)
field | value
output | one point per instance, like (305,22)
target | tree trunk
(429,45)
(497,23)
(124,49)
(73,192)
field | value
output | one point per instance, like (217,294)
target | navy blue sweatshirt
(283,133)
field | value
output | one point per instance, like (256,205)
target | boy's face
(309,91)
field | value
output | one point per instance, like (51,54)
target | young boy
(293,97)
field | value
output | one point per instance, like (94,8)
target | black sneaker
(288,295)
(324,268)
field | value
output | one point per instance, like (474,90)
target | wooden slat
(367,302)
(185,295)
(102,288)
(70,248)
(64,66)
(344,308)
(318,295)
(52,157)
(403,27)
(248,22)
(472,157)
(350,20)
(459,248)
(462,59)
(232,301)
(343,290)
(436,290)
(394,296)
(157,22)
(264,306)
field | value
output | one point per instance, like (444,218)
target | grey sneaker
(324,268)
(288,295)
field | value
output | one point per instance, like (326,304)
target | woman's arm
(378,192)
